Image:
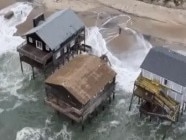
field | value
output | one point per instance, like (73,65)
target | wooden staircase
(154,93)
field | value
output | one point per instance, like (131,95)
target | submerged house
(161,86)
(80,86)
(53,40)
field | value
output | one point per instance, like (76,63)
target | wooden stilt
(103,107)
(178,116)
(84,48)
(113,96)
(44,74)
(150,119)
(89,119)
(138,100)
(21,66)
(82,124)
(131,102)
(109,99)
(96,112)
(84,36)
(33,74)
(82,127)
(72,122)
(182,110)
(80,51)
(58,113)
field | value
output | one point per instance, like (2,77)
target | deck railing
(41,60)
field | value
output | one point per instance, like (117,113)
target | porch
(34,57)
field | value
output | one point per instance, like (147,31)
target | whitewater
(23,112)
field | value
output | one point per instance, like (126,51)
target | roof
(84,77)
(167,64)
(58,28)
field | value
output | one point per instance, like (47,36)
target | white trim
(58,54)
(39,45)
(30,39)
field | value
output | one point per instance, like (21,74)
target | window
(39,45)
(58,54)
(47,48)
(165,82)
(30,39)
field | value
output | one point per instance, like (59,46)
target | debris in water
(9,14)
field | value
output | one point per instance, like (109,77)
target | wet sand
(159,32)
(5,3)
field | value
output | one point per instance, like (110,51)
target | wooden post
(72,122)
(82,124)
(103,107)
(177,118)
(109,99)
(182,110)
(113,95)
(21,66)
(21,63)
(114,84)
(89,119)
(79,48)
(119,30)
(33,74)
(84,40)
(131,102)
(44,73)
(138,100)
(131,99)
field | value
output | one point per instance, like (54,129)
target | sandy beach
(165,26)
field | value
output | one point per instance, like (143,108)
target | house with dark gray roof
(161,86)
(53,40)
(168,68)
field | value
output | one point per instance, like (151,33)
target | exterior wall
(66,48)
(61,93)
(34,39)
(176,96)
(176,87)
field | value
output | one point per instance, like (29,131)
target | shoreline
(160,33)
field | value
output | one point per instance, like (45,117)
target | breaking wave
(8,27)
(127,66)
(10,71)
(29,133)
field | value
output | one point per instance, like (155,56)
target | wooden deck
(153,93)
(35,54)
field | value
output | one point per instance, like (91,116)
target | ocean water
(24,116)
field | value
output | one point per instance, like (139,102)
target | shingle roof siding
(167,64)
(58,28)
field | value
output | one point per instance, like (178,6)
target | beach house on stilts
(80,86)
(53,40)
(161,86)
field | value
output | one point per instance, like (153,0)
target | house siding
(172,85)
(36,38)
